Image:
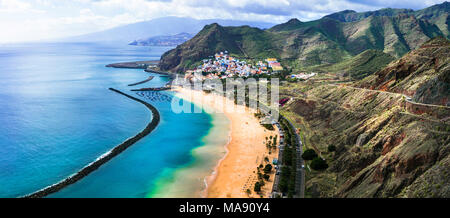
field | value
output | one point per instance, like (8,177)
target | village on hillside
(222,66)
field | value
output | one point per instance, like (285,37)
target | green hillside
(436,14)
(351,16)
(241,41)
(360,66)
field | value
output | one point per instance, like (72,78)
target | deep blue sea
(57,115)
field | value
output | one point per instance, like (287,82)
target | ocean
(57,115)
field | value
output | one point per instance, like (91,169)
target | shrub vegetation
(318,164)
(309,154)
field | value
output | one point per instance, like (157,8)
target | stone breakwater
(148,66)
(141,82)
(105,157)
(134,64)
(152,89)
(170,75)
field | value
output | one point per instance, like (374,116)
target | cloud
(16,6)
(408,4)
(40,19)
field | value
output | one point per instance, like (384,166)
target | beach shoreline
(236,172)
(210,179)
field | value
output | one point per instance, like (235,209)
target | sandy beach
(237,170)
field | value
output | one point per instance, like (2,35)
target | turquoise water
(57,115)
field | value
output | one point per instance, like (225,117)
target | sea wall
(153,89)
(134,64)
(171,75)
(141,82)
(105,157)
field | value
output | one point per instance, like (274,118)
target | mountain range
(170,40)
(158,27)
(329,40)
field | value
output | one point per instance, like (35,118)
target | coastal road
(275,188)
(407,98)
(300,173)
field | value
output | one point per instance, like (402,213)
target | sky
(31,20)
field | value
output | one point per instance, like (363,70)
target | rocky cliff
(423,74)
(384,148)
